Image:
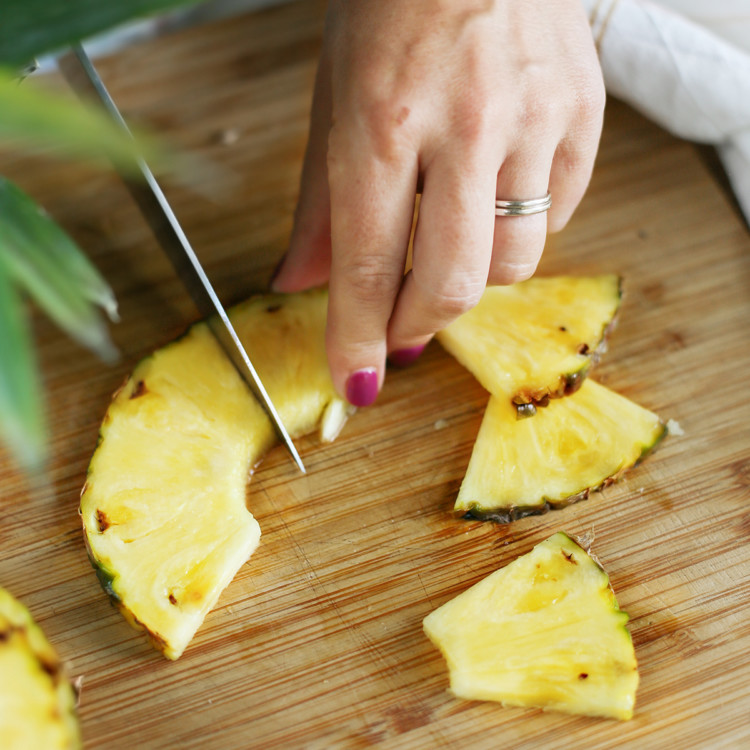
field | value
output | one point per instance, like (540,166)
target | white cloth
(682,71)
(725,18)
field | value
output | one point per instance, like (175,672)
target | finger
(519,240)
(451,253)
(308,259)
(372,201)
(573,165)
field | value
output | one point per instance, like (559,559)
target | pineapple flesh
(535,340)
(545,632)
(164,505)
(37,702)
(578,444)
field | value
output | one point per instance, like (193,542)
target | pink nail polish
(405,357)
(362,387)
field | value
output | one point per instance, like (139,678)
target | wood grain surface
(318,642)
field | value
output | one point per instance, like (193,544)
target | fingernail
(276,272)
(405,357)
(362,387)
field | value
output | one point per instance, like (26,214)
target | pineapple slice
(163,507)
(537,339)
(543,632)
(37,703)
(577,444)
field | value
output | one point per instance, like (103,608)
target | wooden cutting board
(318,642)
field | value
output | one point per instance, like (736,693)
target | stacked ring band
(523,208)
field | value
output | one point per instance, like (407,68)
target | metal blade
(84,79)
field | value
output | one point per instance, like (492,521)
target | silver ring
(523,208)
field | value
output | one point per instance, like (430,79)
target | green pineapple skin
(136,384)
(620,433)
(527,399)
(514,513)
(463,687)
(568,383)
(16,622)
(107,581)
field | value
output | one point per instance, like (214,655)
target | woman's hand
(467,100)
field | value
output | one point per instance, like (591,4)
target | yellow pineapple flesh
(37,702)
(576,445)
(545,632)
(164,505)
(535,340)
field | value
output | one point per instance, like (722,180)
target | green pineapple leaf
(29,28)
(22,424)
(43,260)
(44,121)
(36,256)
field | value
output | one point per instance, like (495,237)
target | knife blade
(84,79)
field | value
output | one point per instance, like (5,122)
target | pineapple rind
(575,446)
(545,632)
(147,515)
(37,702)
(164,506)
(538,339)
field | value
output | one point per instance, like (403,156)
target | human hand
(467,100)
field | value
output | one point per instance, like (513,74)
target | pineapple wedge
(535,340)
(163,508)
(577,444)
(37,703)
(545,632)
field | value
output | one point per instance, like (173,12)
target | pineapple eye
(102,522)
(569,557)
(524,411)
(171,467)
(139,389)
(562,323)
(574,446)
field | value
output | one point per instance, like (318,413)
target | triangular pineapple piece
(163,508)
(577,444)
(544,632)
(535,340)
(37,703)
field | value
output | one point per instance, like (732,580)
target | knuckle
(476,121)
(475,124)
(380,130)
(370,279)
(510,272)
(517,247)
(540,111)
(590,100)
(387,123)
(519,236)
(449,300)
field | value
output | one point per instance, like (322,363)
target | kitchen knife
(84,79)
